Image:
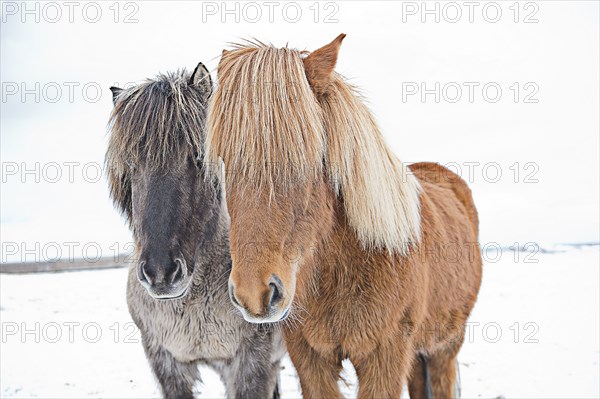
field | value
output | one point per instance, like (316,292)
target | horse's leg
(246,381)
(222,367)
(442,368)
(252,373)
(382,373)
(176,379)
(277,389)
(318,375)
(419,382)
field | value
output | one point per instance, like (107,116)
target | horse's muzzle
(164,280)
(267,307)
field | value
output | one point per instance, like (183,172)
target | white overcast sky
(389,51)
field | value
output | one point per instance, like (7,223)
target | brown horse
(372,261)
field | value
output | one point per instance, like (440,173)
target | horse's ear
(115,92)
(224,54)
(320,63)
(201,78)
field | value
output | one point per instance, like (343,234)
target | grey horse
(177,289)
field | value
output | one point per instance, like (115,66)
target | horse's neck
(339,251)
(342,265)
(342,242)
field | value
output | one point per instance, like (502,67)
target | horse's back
(440,176)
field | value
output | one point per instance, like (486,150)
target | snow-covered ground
(534,333)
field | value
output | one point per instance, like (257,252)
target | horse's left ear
(115,92)
(201,78)
(320,63)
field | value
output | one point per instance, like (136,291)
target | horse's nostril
(276,296)
(144,276)
(178,273)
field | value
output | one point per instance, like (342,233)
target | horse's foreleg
(176,379)
(252,373)
(419,382)
(382,373)
(318,375)
(442,368)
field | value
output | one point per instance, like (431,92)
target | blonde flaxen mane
(267,125)
(259,124)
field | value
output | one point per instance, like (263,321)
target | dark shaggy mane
(159,123)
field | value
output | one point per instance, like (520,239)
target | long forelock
(159,123)
(264,120)
(158,120)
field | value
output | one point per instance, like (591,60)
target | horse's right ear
(201,78)
(320,63)
(115,93)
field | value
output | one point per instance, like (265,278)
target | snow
(555,355)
